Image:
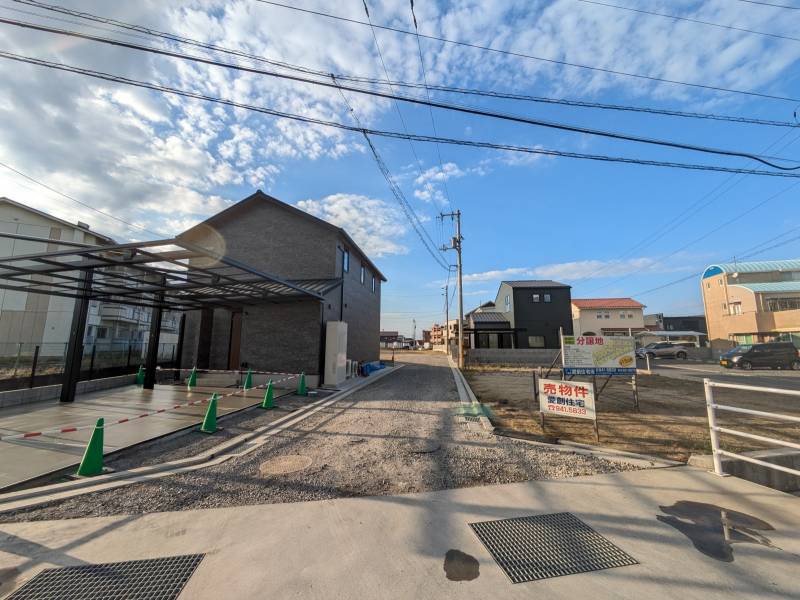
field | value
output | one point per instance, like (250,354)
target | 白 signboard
(599,355)
(566,398)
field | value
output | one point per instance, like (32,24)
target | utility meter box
(335,352)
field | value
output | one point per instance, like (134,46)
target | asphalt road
(680,369)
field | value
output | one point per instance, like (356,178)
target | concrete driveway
(668,519)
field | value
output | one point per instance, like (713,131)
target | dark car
(775,355)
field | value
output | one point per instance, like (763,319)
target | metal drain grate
(151,579)
(472,419)
(544,546)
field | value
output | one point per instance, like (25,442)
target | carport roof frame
(169,273)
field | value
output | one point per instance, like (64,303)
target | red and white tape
(231,371)
(32,434)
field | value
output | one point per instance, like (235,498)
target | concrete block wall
(510,356)
(52,392)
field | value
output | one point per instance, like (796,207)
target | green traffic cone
(268,402)
(301,386)
(92,461)
(140,376)
(192,381)
(248,380)
(210,420)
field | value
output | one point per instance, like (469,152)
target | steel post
(712,427)
(151,360)
(74,358)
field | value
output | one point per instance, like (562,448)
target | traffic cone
(210,420)
(140,376)
(301,386)
(192,381)
(248,380)
(92,461)
(268,402)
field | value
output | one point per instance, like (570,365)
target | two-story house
(748,302)
(286,242)
(607,316)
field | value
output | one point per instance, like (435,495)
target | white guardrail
(715,429)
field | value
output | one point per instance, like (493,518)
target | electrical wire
(690,20)
(384,133)
(771,5)
(161,35)
(448,106)
(533,57)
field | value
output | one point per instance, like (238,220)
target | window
(537,298)
(708,285)
(373,284)
(630,315)
(536,341)
(599,315)
(622,315)
(720,281)
(346,261)
(508,303)
(102,333)
(547,297)
(607,315)
(363,274)
(724,306)
(736,308)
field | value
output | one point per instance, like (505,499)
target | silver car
(663,350)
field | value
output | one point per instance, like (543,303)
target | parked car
(775,355)
(664,350)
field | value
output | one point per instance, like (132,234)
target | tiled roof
(758,266)
(774,286)
(607,303)
(535,283)
(488,317)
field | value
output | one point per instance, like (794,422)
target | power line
(388,134)
(533,57)
(690,20)
(771,5)
(84,204)
(448,106)
(382,82)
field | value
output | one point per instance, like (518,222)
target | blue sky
(165,162)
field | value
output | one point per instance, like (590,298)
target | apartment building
(747,302)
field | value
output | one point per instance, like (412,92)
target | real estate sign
(566,398)
(598,355)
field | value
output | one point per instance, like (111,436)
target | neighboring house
(437,334)
(37,319)
(388,338)
(426,336)
(607,316)
(277,239)
(659,322)
(749,302)
(533,312)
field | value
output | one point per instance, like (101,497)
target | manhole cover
(154,579)
(544,546)
(280,465)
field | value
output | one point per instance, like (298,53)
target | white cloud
(376,226)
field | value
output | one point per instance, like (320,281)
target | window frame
(537,298)
(373,284)
(363,275)
(346,260)
(547,298)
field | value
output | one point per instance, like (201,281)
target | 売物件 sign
(566,398)
(598,355)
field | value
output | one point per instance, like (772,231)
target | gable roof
(758,266)
(589,303)
(535,283)
(41,213)
(260,196)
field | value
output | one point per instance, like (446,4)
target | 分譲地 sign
(566,398)
(599,355)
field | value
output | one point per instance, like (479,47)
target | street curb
(60,491)
(465,393)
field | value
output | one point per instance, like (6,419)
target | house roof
(773,286)
(262,197)
(606,303)
(41,213)
(488,317)
(535,283)
(759,266)
(670,333)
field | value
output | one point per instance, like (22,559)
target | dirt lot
(671,422)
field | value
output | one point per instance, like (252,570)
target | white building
(607,316)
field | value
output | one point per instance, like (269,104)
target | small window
(720,280)
(373,284)
(708,285)
(547,297)
(102,333)
(508,303)
(599,315)
(537,298)
(607,315)
(346,261)
(536,341)
(724,306)
(622,315)
(363,274)
(630,315)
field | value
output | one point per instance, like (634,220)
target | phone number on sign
(575,410)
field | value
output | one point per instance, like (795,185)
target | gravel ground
(398,435)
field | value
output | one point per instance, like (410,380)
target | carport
(165,274)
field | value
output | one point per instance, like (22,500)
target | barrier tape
(32,434)
(230,371)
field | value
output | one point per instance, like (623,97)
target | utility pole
(447,317)
(414,338)
(455,244)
